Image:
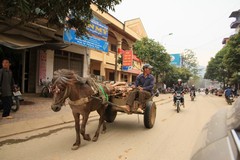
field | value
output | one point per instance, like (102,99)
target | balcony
(235,24)
(235,14)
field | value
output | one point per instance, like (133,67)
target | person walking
(6,88)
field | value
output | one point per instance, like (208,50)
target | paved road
(35,113)
(172,137)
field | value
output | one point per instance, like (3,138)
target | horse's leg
(104,127)
(77,129)
(100,123)
(83,127)
(103,122)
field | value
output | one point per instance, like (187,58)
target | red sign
(127,58)
(120,51)
(42,65)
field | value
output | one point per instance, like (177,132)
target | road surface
(172,137)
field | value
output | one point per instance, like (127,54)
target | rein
(61,100)
(104,93)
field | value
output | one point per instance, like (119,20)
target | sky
(198,25)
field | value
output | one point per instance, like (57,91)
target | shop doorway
(15,58)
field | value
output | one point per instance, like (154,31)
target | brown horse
(84,97)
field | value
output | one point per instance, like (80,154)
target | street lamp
(164,36)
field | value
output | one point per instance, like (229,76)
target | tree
(216,69)
(69,13)
(189,60)
(153,53)
(232,56)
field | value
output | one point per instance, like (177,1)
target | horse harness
(99,94)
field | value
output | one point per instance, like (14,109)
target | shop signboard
(97,28)
(96,39)
(127,58)
(126,68)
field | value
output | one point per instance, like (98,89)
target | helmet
(193,85)
(179,80)
(147,66)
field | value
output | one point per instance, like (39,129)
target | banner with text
(97,39)
(127,58)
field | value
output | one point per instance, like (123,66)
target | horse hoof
(87,137)
(75,147)
(95,139)
(103,132)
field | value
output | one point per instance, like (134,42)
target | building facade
(36,51)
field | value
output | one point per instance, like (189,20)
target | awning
(29,36)
(18,42)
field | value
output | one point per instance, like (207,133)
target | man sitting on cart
(142,89)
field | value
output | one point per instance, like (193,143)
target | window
(113,48)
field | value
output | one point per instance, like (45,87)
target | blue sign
(176,59)
(97,28)
(91,42)
(126,68)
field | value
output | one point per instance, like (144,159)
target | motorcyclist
(228,92)
(206,90)
(192,89)
(178,88)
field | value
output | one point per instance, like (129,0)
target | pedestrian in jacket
(6,88)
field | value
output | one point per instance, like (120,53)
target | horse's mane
(66,76)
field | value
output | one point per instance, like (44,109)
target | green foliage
(174,73)
(232,56)
(153,53)
(190,61)
(225,65)
(55,11)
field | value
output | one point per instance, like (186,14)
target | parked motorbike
(192,95)
(178,96)
(230,99)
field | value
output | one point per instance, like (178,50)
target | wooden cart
(149,109)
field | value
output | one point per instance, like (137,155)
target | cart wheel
(16,104)
(150,114)
(110,114)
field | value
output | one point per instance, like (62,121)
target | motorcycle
(192,95)
(206,92)
(230,99)
(178,96)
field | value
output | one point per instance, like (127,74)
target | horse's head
(60,94)
(64,85)
(60,88)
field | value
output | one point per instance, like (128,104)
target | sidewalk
(35,113)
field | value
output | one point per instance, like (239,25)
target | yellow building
(37,51)
(121,36)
